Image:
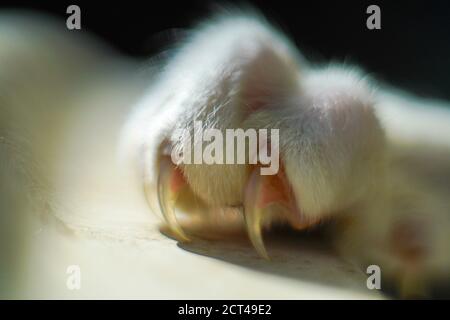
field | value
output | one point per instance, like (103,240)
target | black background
(412,50)
(291,309)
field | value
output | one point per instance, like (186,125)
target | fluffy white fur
(368,159)
(342,141)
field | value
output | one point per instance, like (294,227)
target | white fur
(366,158)
(340,138)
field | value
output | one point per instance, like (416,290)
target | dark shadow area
(301,257)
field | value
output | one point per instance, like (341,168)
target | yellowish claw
(253,214)
(167,197)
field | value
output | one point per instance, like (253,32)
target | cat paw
(324,140)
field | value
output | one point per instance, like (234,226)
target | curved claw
(167,196)
(253,213)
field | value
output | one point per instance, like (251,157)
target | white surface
(106,228)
